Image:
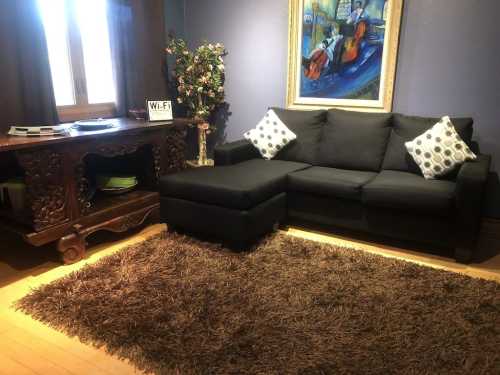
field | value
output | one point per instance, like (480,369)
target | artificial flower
(200,76)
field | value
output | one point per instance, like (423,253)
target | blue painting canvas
(343,53)
(342,48)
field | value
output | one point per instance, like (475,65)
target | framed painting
(343,53)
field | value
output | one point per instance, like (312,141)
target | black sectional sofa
(346,169)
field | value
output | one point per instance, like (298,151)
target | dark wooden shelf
(103,201)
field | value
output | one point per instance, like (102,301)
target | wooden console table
(60,206)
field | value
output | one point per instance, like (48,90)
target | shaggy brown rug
(177,305)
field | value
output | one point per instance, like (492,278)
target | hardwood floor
(29,347)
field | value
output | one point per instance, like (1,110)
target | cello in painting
(324,55)
(352,44)
(318,61)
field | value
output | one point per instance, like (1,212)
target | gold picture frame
(387,61)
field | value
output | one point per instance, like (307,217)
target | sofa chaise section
(236,202)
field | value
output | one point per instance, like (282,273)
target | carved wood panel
(46,193)
(174,155)
(83,189)
(72,246)
(117,148)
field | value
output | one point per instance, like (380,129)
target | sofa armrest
(470,186)
(235,152)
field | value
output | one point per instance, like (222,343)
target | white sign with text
(160,110)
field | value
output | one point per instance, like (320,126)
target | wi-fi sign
(159,110)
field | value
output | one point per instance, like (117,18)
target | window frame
(82,109)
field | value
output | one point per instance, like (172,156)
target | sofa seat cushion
(330,182)
(408,191)
(239,186)
(354,140)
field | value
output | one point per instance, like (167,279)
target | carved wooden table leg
(72,248)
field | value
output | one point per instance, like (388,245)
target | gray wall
(255,33)
(449,62)
(174,17)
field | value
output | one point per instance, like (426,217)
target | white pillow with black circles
(439,150)
(270,135)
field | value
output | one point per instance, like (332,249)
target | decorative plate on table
(94,124)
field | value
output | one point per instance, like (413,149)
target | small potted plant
(200,76)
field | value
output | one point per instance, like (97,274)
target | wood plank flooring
(29,347)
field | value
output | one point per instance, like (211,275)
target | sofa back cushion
(307,127)
(406,128)
(354,140)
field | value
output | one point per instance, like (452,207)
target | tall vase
(202,144)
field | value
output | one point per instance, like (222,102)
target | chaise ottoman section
(230,225)
(236,203)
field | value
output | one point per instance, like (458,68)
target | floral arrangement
(200,76)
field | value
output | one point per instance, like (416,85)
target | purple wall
(449,62)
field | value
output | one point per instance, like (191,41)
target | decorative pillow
(406,128)
(270,135)
(439,150)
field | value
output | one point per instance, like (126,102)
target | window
(80,57)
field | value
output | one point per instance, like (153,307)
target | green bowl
(115,182)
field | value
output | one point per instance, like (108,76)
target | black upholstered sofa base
(234,226)
(352,215)
(243,227)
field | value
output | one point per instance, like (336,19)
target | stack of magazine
(39,131)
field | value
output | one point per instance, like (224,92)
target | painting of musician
(357,14)
(323,56)
(341,46)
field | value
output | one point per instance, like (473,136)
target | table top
(121,125)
